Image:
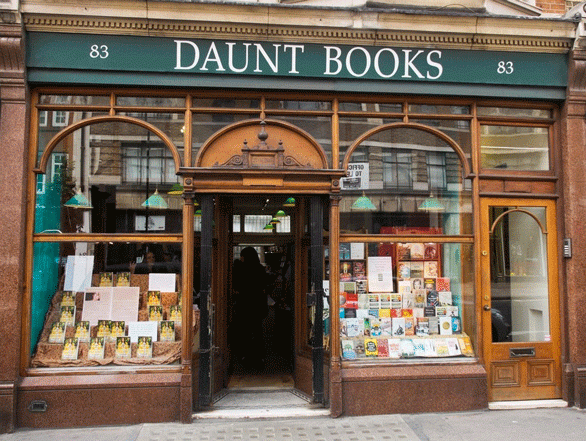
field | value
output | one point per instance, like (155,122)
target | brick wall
(555,6)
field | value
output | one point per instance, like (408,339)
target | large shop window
(106,270)
(407,291)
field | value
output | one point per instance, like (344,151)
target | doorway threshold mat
(528,404)
(261,404)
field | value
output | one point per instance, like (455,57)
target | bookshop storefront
(402,201)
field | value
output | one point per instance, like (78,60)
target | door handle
(486,307)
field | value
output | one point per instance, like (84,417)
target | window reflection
(515,148)
(122,171)
(405,177)
(519,279)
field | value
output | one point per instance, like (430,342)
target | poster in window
(357,177)
(155,223)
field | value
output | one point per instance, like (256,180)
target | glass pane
(171,124)
(519,282)
(150,101)
(319,127)
(514,148)
(521,113)
(371,107)
(406,300)
(439,109)
(77,282)
(52,121)
(352,128)
(458,130)
(226,103)
(206,124)
(109,178)
(405,178)
(78,100)
(299,105)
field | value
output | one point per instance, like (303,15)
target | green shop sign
(196,57)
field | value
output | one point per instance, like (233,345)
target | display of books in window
(97,316)
(417,316)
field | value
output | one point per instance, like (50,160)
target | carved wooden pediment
(263,155)
(262,144)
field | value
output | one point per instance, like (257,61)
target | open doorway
(273,343)
(261,330)
(260,292)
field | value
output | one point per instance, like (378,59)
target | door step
(528,404)
(254,404)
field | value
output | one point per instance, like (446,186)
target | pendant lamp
(155,201)
(431,204)
(290,202)
(78,201)
(363,203)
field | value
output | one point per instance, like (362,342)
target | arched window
(406,175)
(406,246)
(107,217)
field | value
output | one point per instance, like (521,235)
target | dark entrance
(276,341)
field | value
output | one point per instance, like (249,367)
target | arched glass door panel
(519,279)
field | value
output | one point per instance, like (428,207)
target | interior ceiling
(260,205)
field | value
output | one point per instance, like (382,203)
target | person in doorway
(249,283)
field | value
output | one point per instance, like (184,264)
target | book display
(400,306)
(127,323)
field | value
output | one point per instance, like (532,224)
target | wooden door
(520,299)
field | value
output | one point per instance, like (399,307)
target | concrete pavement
(567,424)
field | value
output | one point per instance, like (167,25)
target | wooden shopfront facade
(407,198)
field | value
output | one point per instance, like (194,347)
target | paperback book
(68,298)
(167,330)
(407,348)
(430,269)
(383,348)
(123,279)
(394,347)
(67,315)
(106,279)
(144,347)
(123,348)
(370,347)
(96,350)
(175,313)
(104,328)
(348,350)
(70,349)
(57,334)
(445,325)
(118,329)
(155,313)
(409,326)
(153,298)
(82,331)
(398,326)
